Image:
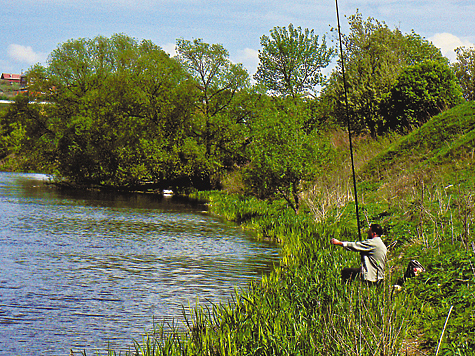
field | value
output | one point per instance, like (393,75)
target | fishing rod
(342,60)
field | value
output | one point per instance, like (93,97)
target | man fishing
(373,256)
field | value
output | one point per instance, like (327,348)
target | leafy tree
(119,110)
(464,69)
(374,57)
(421,91)
(283,154)
(291,61)
(218,122)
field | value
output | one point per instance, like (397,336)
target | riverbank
(420,188)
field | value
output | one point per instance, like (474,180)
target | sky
(31,29)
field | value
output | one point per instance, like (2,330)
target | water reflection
(80,269)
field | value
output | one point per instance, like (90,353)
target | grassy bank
(420,188)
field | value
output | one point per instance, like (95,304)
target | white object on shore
(167,192)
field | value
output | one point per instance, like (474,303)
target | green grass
(448,136)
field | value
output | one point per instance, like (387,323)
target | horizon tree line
(122,112)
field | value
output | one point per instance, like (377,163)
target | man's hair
(377,229)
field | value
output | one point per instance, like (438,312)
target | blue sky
(31,29)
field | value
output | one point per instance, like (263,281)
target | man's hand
(336,242)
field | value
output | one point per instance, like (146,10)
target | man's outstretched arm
(336,242)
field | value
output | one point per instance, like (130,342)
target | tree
(283,154)
(374,57)
(464,69)
(421,91)
(119,110)
(291,61)
(221,84)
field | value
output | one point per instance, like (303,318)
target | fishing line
(342,59)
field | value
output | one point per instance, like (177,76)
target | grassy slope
(444,138)
(421,189)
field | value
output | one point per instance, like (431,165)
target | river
(83,270)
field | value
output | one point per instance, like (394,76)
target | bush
(421,91)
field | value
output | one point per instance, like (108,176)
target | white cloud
(170,48)
(249,58)
(448,43)
(25,54)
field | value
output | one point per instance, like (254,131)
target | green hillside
(446,137)
(422,191)
(420,188)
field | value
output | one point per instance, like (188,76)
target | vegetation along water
(273,157)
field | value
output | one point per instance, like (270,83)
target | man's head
(375,230)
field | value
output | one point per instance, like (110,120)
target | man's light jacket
(373,257)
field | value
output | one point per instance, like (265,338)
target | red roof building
(12,78)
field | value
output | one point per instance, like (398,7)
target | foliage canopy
(374,57)
(421,91)
(291,61)
(119,111)
(284,156)
(220,86)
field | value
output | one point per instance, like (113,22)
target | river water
(83,270)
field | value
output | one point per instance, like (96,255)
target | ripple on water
(80,270)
